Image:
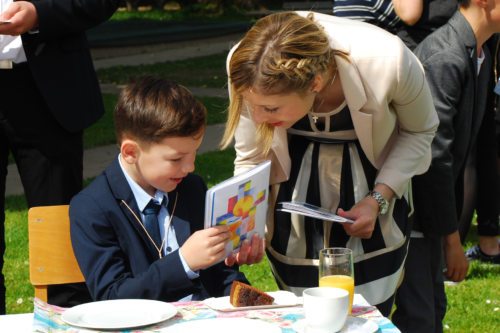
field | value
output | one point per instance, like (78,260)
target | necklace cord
(167,228)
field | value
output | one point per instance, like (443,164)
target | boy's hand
(205,247)
(456,263)
(249,253)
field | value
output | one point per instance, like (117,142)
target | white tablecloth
(15,323)
(48,317)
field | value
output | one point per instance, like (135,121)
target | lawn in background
(197,13)
(208,71)
(103,133)
(473,304)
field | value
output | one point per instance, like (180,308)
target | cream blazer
(390,103)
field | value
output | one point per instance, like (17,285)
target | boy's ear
(129,150)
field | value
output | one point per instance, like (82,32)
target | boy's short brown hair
(151,109)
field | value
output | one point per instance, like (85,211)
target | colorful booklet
(241,203)
(306,209)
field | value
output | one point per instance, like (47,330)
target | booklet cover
(303,208)
(240,202)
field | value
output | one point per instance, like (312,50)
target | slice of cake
(244,295)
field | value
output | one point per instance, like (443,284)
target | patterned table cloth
(47,318)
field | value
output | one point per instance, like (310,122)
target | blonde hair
(280,54)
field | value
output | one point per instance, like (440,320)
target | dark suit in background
(46,103)
(482,187)
(117,258)
(449,56)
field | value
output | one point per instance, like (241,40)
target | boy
(457,67)
(137,229)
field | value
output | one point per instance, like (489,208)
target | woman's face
(278,110)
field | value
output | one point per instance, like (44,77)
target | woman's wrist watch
(383,204)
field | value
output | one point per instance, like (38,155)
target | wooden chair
(51,256)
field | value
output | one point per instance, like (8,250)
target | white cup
(325,309)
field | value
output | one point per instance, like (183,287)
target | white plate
(118,314)
(352,325)
(223,325)
(282,298)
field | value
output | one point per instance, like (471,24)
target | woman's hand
(249,253)
(364,214)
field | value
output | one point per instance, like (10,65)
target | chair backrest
(51,256)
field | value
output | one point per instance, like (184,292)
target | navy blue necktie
(151,221)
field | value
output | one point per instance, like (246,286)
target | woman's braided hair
(280,54)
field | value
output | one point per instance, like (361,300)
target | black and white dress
(329,169)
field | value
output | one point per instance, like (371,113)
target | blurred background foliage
(205,7)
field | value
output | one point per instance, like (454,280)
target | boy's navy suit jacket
(115,254)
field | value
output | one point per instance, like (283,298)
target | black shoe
(475,253)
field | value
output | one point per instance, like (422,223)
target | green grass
(198,13)
(216,109)
(473,304)
(208,71)
(215,166)
(19,296)
(102,132)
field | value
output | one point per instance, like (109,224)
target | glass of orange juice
(336,270)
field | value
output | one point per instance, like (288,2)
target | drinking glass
(336,270)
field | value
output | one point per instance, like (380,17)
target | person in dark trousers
(50,94)
(457,66)
(485,196)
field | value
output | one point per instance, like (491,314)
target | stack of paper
(306,209)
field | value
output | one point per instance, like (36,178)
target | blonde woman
(343,110)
